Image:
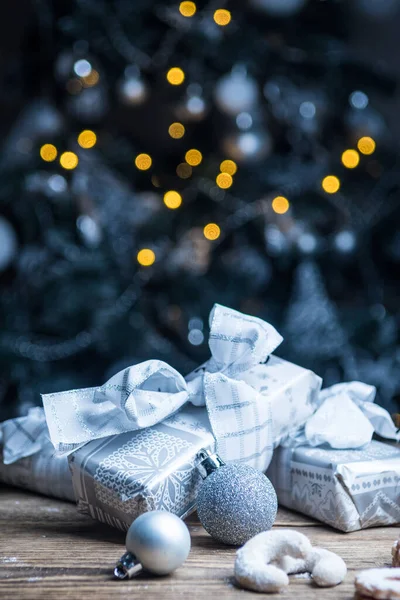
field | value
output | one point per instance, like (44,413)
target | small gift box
(133,441)
(332,470)
(28,458)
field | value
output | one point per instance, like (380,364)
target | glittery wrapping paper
(347,489)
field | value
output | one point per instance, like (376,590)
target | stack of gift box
(130,446)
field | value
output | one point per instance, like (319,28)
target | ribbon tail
(24,436)
(380,420)
(240,419)
(364,395)
(137,397)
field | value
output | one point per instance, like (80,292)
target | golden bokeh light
(91,79)
(187,9)
(48,152)
(143,162)
(224,180)
(212,231)
(366,145)
(172,199)
(193,157)
(175,76)
(222,17)
(330,184)
(69,160)
(87,138)
(184,171)
(228,166)
(280,205)
(176,130)
(146,257)
(350,159)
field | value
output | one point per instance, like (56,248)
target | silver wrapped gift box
(347,489)
(132,442)
(331,469)
(119,477)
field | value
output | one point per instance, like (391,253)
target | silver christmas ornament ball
(236,92)
(157,541)
(235,503)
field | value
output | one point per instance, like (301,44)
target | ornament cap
(208,462)
(128,566)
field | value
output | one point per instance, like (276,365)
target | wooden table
(49,551)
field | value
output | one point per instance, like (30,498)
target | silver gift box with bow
(331,468)
(132,443)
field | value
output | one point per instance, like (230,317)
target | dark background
(76,309)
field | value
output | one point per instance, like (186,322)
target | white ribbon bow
(346,418)
(145,394)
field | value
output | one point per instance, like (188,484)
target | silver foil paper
(347,489)
(43,472)
(119,477)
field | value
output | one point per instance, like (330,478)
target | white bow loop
(346,418)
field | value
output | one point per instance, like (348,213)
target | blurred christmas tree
(179,154)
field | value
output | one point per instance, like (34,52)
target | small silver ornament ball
(235,503)
(159,540)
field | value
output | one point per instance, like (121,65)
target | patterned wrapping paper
(117,478)
(332,470)
(28,459)
(347,489)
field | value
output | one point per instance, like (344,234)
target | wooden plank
(49,551)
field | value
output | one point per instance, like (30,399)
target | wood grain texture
(49,551)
